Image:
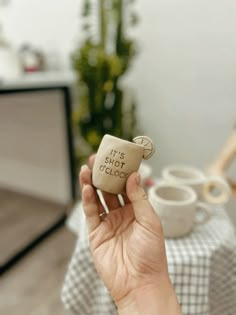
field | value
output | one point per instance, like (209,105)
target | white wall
(185,75)
(50,25)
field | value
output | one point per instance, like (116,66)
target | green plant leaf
(86,9)
(100,62)
(134,19)
(86,26)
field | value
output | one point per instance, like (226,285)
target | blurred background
(73,70)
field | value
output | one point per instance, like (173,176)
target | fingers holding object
(91,207)
(92,160)
(112,201)
(143,210)
(85,176)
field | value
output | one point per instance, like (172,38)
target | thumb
(143,211)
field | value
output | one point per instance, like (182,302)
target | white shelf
(37,80)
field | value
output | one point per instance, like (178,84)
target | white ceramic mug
(204,186)
(177,208)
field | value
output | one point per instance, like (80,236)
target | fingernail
(83,167)
(138,179)
(84,186)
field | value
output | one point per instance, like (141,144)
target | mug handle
(216,182)
(205,210)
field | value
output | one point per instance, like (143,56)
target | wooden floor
(32,287)
(22,219)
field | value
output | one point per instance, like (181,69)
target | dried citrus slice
(148,145)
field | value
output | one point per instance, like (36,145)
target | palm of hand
(128,248)
(125,250)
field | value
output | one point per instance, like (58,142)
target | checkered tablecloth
(202,269)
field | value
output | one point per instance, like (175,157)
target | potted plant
(100,62)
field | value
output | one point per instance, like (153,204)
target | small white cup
(177,208)
(203,185)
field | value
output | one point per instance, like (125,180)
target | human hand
(127,244)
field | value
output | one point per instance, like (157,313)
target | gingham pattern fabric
(83,292)
(202,269)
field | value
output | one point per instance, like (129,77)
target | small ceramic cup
(177,208)
(115,160)
(212,189)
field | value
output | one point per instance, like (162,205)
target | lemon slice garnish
(148,145)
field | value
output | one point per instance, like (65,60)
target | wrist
(156,298)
